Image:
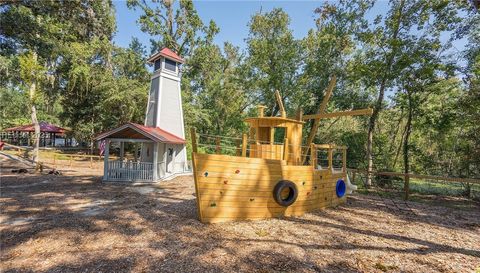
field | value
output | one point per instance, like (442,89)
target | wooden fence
(407,176)
(55,160)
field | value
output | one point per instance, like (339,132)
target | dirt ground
(75,223)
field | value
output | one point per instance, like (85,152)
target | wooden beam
(330,159)
(360,112)
(193,136)
(321,109)
(129,140)
(280,104)
(261,110)
(300,114)
(313,156)
(285,149)
(217,146)
(244,145)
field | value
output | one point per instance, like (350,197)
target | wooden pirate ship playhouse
(269,172)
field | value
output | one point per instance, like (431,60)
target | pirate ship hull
(271,174)
(242,188)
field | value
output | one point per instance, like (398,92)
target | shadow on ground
(74,223)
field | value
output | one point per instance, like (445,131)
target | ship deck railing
(321,156)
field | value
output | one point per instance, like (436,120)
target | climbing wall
(240,188)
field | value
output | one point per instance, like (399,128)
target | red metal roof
(167,53)
(44,127)
(154,133)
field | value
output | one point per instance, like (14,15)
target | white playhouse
(159,144)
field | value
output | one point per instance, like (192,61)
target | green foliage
(400,62)
(177,27)
(214,97)
(274,60)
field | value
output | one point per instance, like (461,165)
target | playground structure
(270,173)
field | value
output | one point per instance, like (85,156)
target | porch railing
(129,171)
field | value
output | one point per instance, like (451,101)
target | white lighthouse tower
(164,109)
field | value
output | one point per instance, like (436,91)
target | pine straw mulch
(73,222)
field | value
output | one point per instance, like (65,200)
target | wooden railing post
(285,149)
(313,155)
(217,145)
(244,145)
(330,158)
(193,135)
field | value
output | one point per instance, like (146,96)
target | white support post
(122,152)
(165,155)
(135,152)
(155,161)
(106,154)
(174,158)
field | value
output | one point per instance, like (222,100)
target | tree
(177,27)
(387,48)
(329,50)
(215,98)
(40,31)
(274,59)
(97,98)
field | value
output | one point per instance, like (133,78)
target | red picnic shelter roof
(44,127)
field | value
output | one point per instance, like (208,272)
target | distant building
(50,135)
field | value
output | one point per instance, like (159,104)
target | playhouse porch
(132,170)
(153,154)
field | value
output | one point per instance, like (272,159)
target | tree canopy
(58,62)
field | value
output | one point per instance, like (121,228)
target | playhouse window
(157,65)
(279,134)
(170,65)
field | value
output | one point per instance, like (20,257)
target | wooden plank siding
(240,188)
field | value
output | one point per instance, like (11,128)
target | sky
(231,17)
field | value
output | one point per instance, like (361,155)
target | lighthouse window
(170,65)
(157,65)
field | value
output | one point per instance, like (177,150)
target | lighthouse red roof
(167,53)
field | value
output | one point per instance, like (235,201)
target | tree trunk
(378,104)
(33,108)
(371,128)
(408,130)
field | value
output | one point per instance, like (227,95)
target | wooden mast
(280,104)
(321,110)
(321,115)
